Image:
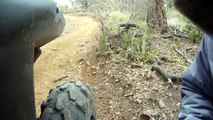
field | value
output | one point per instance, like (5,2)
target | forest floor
(123,90)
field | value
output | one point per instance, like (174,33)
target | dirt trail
(122,91)
(68,57)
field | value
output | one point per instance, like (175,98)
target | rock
(138,101)
(117,80)
(54,49)
(93,67)
(111,102)
(94,73)
(151,112)
(162,103)
(144,117)
(97,68)
(117,113)
(88,63)
(81,60)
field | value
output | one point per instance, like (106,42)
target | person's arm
(197,87)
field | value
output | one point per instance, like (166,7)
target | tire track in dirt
(70,56)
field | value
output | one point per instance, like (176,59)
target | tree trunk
(156,17)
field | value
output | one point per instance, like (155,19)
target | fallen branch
(181,36)
(165,74)
(166,36)
(129,94)
(128,25)
(182,54)
(61,78)
(177,35)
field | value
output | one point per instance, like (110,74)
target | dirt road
(69,57)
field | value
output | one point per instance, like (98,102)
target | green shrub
(125,46)
(129,48)
(64,9)
(195,34)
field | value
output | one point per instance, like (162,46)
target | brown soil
(122,91)
(68,57)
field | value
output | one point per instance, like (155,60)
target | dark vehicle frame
(25,25)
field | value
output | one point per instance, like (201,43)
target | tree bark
(156,16)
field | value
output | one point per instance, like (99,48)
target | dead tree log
(166,76)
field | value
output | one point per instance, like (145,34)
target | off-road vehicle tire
(69,101)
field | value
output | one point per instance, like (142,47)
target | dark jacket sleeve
(197,87)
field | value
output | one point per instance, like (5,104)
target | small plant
(122,45)
(105,45)
(195,33)
(137,49)
(104,41)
